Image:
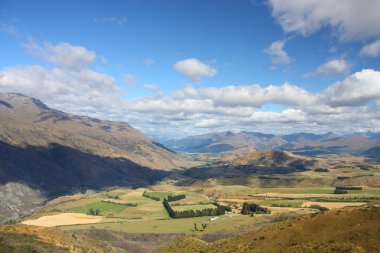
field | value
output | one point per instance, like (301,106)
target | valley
(85,182)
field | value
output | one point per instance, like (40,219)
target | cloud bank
(71,85)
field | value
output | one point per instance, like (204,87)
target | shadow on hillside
(59,168)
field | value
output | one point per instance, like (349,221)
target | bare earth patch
(333,205)
(63,219)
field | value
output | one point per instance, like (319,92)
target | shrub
(254,208)
(320,208)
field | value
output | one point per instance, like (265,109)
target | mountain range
(299,143)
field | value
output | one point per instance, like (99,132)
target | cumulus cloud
(330,68)
(194,69)
(277,53)
(249,95)
(350,19)
(63,54)
(371,50)
(347,105)
(70,85)
(357,89)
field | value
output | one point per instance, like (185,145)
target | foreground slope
(26,239)
(352,229)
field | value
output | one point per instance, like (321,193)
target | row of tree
(176,197)
(348,188)
(226,208)
(254,209)
(192,213)
(120,203)
(146,195)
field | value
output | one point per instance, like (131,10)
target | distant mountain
(45,151)
(300,143)
(270,158)
(225,141)
(259,165)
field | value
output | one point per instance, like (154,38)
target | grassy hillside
(26,239)
(354,229)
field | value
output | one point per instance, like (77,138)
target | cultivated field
(63,219)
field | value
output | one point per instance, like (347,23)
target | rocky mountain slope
(27,121)
(44,151)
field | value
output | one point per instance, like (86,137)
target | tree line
(146,195)
(348,188)
(176,197)
(121,204)
(219,210)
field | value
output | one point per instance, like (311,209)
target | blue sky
(138,61)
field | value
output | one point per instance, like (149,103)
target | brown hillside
(353,229)
(27,121)
(27,239)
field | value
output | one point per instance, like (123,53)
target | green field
(283,203)
(225,223)
(102,206)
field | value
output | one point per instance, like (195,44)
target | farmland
(149,216)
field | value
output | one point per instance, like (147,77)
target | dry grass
(28,239)
(333,205)
(63,219)
(351,229)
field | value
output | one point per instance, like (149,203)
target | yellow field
(333,205)
(63,219)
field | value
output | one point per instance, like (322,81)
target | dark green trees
(254,208)
(193,213)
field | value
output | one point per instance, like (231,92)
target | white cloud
(129,79)
(194,69)
(347,105)
(350,19)
(288,115)
(63,55)
(371,50)
(148,62)
(70,85)
(120,21)
(248,95)
(330,68)
(151,87)
(277,53)
(357,89)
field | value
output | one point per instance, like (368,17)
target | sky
(174,68)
